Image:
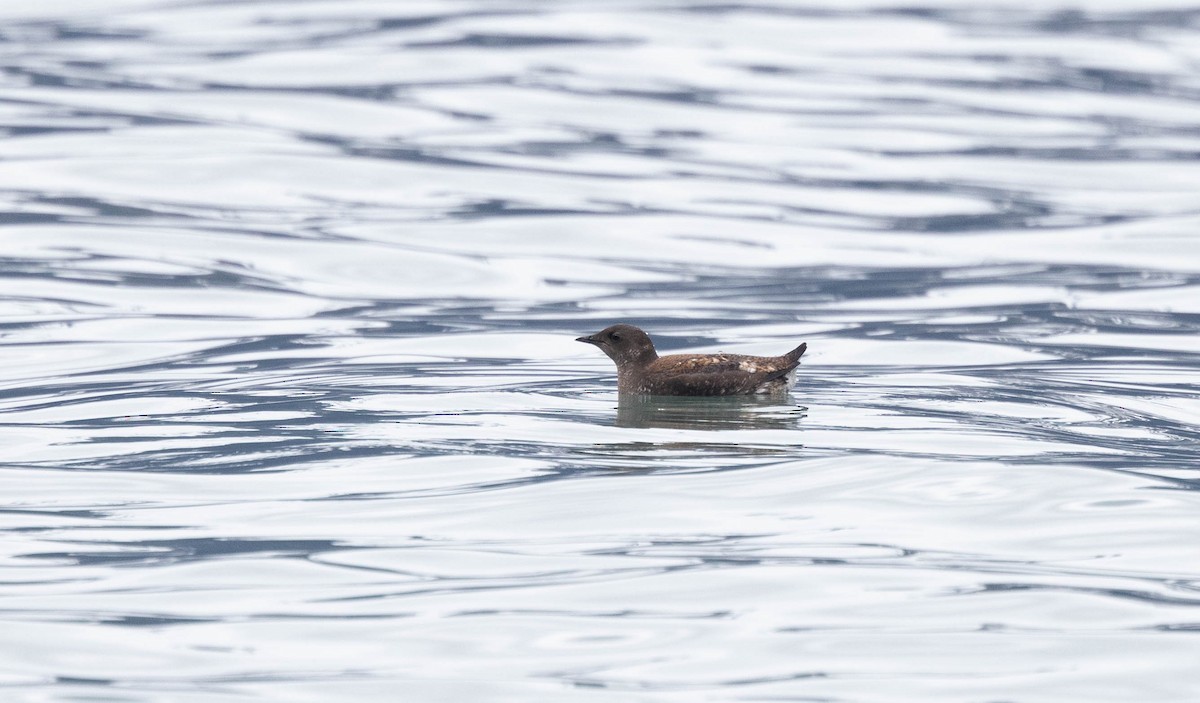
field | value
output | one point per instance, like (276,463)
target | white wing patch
(781,385)
(748,366)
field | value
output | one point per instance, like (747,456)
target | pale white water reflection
(291,410)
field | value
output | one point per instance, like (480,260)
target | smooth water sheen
(291,410)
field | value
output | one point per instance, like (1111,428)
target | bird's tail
(795,354)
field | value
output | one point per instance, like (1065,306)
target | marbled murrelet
(641,371)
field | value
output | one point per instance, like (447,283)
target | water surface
(291,410)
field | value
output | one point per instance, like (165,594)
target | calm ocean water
(291,410)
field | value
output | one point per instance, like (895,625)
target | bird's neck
(631,371)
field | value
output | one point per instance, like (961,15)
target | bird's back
(717,374)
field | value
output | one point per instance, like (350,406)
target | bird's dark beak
(587,340)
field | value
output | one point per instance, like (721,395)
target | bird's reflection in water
(720,413)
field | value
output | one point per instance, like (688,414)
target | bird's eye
(615,337)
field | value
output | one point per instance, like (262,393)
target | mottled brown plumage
(641,371)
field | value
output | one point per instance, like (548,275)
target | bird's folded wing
(717,380)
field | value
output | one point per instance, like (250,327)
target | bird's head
(624,344)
